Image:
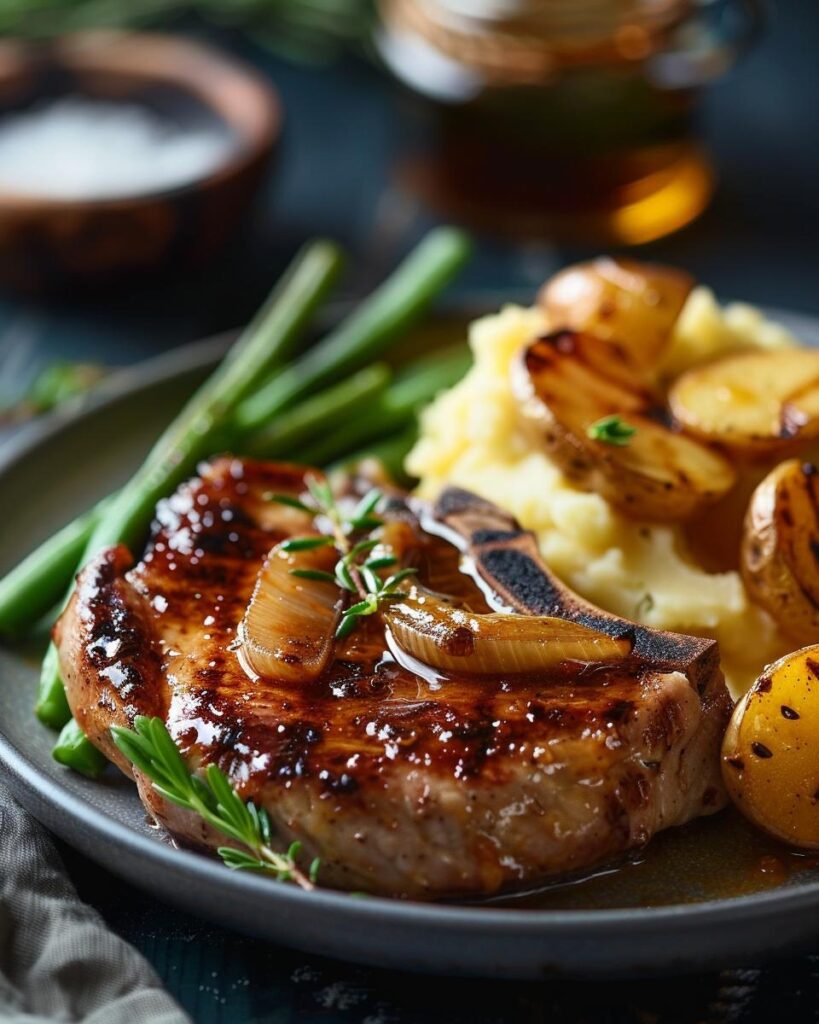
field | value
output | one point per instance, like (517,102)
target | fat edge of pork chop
(399,789)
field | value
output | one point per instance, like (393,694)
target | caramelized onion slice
(453,639)
(288,628)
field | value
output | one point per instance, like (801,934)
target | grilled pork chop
(400,784)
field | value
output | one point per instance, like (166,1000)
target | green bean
(75,750)
(320,414)
(366,333)
(39,581)
(393,410)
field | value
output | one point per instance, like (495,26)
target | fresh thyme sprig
(359,563)
(150,748)
(611,430)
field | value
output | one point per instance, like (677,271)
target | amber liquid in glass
(594,151)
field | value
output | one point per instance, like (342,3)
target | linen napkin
(58,959)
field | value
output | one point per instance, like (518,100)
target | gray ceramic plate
(56,469)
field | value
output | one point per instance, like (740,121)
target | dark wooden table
(345,127)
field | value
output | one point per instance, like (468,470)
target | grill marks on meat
(400,786)
(507,561)
(108,641)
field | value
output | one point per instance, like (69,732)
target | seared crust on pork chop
(400,785)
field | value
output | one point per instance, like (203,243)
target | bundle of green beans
(259,401)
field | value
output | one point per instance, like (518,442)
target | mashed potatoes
(470,436)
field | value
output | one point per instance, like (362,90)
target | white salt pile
(81,148)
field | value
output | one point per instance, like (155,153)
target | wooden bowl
(50,243)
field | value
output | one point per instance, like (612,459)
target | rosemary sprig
(150,748)
(359,563)
(611,430)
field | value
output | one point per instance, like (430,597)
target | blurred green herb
(61,381)
(302,29)
(54,385)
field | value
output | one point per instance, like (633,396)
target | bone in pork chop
(401,784)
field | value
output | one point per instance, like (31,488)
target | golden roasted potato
(625,309)
(769,753)
(753,403)
(611,439)
(780,548)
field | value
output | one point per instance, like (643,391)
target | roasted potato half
(780,548)
(625,309)
(769,759)
(653,474)
(753,403)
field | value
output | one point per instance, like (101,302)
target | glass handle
(706,43)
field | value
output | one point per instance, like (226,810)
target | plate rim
(26,778)
(498,919)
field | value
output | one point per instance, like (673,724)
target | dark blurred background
(341,171)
